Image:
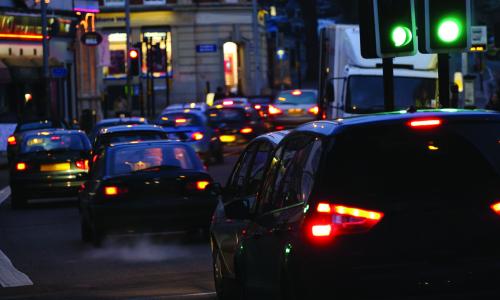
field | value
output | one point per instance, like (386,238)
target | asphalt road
(41,251)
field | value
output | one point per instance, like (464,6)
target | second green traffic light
(401,36)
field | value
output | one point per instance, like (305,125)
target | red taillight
(114,191)
(82,164)
(227,102)
(280,127)
(180,121)
(21,166)
(425,123)
(297,92)
(257,106)
(55,138)
(332,220)
(197,136)
(496,208)
(273,110)
(314,110)
(199,185)
(246,130)
(12,140)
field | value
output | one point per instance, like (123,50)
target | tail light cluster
(11,140)
(82,164)
(114,191)
(314,110)
(496,208)
(197,136)
(246,130)
(332,220)
(199,185)
(21,166)
(273,110)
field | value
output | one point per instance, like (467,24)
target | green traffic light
(401,36)
(449,30)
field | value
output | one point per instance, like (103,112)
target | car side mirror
(215,189)
(238,209)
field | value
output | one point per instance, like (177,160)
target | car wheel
(223,287)
(18,201)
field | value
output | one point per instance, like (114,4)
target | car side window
(308,169)
(97,169)
(258,168)
(240,174)
(264,198)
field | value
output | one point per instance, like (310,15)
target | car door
(92,185)
(280,208)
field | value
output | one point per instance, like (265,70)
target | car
(115,122)
(14,140)
(199,106)
(261,104)
(128,133)
(145,187)
(236,124)
(243,184)
(232,101)
(191,126)
(293,108)
(49,164)
(383,206)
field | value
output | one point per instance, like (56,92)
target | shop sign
(91,39)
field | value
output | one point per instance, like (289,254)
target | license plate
(55,167)
(227,138)
(295,111)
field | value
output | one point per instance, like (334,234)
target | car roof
(302,90)
(128,128)
(52,131)
(142,143)
(128,119)
(327,128)
(273,137)
(183,111)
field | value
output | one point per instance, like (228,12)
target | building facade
(188,48)
(23,87)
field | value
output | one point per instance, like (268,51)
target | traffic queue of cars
(395,204)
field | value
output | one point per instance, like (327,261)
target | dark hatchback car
(373,207)
(236,124)
(243,184)
(14,140)
(128,133)
(147,186)
(191,126)
(49,164)
(114,122)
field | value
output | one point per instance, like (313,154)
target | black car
(114,122)
(236,124)
(128,133)
(49,164)
(243,185)
(146,186)
(261,104)
(14,140)
(191,126)
(381,206)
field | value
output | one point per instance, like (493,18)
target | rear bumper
(171,215)
(43,188)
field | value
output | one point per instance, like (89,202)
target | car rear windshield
(296,97)
(39,125)
(138,158)
(228,115)
(397,158)
(55,142)
(129,136)
(179,120)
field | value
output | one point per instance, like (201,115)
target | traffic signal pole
(388,68)
(444,79)
(46,49)
(127,32)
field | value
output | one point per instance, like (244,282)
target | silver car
(293,108)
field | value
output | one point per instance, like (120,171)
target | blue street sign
(206,48)
(59,72)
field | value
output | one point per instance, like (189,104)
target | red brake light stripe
(425,123)
(356,212)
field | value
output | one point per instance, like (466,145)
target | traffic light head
(393,26)
(134,58)
(444,25)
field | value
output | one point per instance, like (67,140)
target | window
(154,2)
(160,51)
(239,177)
(55,142)
(117,55)
(114,2)
(258,168)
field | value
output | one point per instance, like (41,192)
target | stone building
(197,46)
